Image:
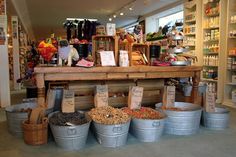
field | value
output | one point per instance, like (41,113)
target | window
(168,16)
(171,19)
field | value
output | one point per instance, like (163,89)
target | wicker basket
(35,134)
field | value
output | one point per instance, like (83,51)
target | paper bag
(168,99)
(68,101)
(135,97)
(101,96)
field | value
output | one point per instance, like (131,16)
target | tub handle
(156,124)
(71,131)
(117,129)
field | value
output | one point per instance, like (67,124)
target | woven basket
(35,134)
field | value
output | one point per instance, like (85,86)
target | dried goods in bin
(68,119)
(108,115)
(143,113)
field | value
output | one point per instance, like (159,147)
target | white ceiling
(42,17)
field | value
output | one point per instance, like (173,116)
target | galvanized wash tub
(15,118)
(111,135)
(218,120)
(183,122)
(147,130)
(70,137)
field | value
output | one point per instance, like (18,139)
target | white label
(107,58)
(169,96)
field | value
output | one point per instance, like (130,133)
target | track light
(121,14)
(110,19)
(114,16)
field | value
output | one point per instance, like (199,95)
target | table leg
(41,90)
(194,95)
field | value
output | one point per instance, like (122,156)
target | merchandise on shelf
(233,19)
(190,29)
(232,51)
(210,73)
(213,48)
(232,33)
(213,34)
(212,7)
(212,22)
(210,60)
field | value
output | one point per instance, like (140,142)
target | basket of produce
(147,124)
(111,126)
(183,118)
(70,130)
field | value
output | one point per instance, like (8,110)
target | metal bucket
(15,119)
(218,120)
(70,137)
(183,122)
(147,130)
(111,135)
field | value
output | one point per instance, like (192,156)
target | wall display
(2,7)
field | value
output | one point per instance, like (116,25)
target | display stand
(114,73)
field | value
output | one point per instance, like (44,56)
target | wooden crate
(113,42)
(152,91)
(144,48)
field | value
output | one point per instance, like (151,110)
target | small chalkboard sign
(101,96)
(135,97)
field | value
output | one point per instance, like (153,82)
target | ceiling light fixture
(130,8)
(114,16)
(110,19)
(121,14)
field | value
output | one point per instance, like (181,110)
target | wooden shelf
(213,15)
(207,41)
(190,34)
(213,66)
(211,53)
(210,28)
(208,80)
(232,84)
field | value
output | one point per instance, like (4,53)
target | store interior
(118,78)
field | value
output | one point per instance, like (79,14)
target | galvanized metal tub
(183,122)
(218,120)
(111,135)
(15,119)
(70,137)
(147,130)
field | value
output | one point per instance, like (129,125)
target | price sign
(68,101)
(135,97)
(101,96)
(169,96)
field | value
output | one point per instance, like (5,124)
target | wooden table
(114,73)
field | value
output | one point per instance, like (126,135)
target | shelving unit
(22,52)
(193,27)
(213,43)
(230,83)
